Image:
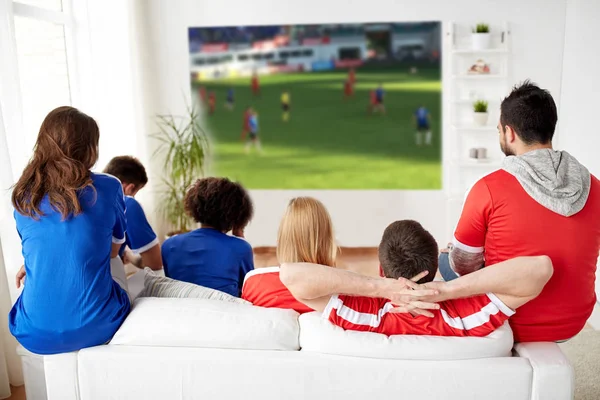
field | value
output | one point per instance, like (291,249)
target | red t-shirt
(348,87)
(373,97)
(475,316)
(247,116)
(500,219)
(262,287)
(255,81)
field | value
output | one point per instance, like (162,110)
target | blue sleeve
(118,236)
(247,264)
(140,236)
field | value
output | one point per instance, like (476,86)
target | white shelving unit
(465,89)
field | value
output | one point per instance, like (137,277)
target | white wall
(537,28)
(580,100)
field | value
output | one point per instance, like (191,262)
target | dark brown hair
(531,112)
(406,250)
(219,203)
(65,151)
(128,169)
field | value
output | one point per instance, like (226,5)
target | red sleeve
(473,316)
(357,313)
(472,225)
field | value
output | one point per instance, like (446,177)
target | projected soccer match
(353,106)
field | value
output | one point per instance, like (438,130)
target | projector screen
(345,106)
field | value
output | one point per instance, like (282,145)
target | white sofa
(203,349)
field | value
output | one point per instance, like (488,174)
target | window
(42,58)
(199,62)
(307,53)
(257,57)
(296,53)
(243,57)
(269,56)
(284,54)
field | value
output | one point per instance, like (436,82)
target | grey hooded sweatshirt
(555,179)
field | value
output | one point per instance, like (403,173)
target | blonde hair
(306,234)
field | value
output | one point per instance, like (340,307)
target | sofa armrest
(553,377)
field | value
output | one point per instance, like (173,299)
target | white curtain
(10,367)
(10,247)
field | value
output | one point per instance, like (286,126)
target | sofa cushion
(193,322)
(321,336)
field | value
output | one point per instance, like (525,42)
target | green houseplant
(481,38)
(480,112)
(184,147)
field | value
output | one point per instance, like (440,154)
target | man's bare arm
(152,258)
(314,284)
(514,281)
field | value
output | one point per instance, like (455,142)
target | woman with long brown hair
(71,222)
(305,236)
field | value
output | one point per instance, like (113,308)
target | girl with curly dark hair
(208,256)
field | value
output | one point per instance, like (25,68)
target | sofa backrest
(186,322)
(199,323)
(320,336)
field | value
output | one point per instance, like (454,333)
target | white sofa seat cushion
(182,322)
(321,336)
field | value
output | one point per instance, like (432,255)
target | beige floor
(583,351)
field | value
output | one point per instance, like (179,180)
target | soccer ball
(413,70)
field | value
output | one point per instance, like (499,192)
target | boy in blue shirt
(421,119)
(208,256)
(140,238)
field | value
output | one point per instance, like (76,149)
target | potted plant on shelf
(480,112)
(184,147)
(481,37)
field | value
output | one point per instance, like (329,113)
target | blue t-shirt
(253,122)
(140,236)
(208,258)
(69,300)
(379,94)
(230,95)
(421,114)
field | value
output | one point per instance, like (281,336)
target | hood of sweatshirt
(555,179)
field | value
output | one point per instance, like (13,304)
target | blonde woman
(305,235)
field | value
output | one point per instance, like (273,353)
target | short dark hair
(128,169)
(531,112)
(407,249)
(219,203)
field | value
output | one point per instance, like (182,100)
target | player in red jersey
(372,102)
(297,241)
(352,76)
(246,123)
(473,305)
(348,89)
(202,93)
(255,84)
(212,103)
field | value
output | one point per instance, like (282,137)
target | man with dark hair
(406,250)
(542,201)
(474,305)
(140,237)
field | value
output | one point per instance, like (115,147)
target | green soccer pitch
(330,142)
